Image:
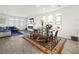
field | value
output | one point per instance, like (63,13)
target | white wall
(70,20)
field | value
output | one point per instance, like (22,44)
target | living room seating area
(9,31)
(4,32)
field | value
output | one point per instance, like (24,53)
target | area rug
(16,33)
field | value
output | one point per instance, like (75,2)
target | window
(10,22)
(16,22)
(58,21)
(50,18)
(44,18)
(22,22)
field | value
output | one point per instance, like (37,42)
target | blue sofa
(4,32)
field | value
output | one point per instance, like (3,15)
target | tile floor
(17,45)
(71,47)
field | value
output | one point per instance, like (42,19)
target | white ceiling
(27,10)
